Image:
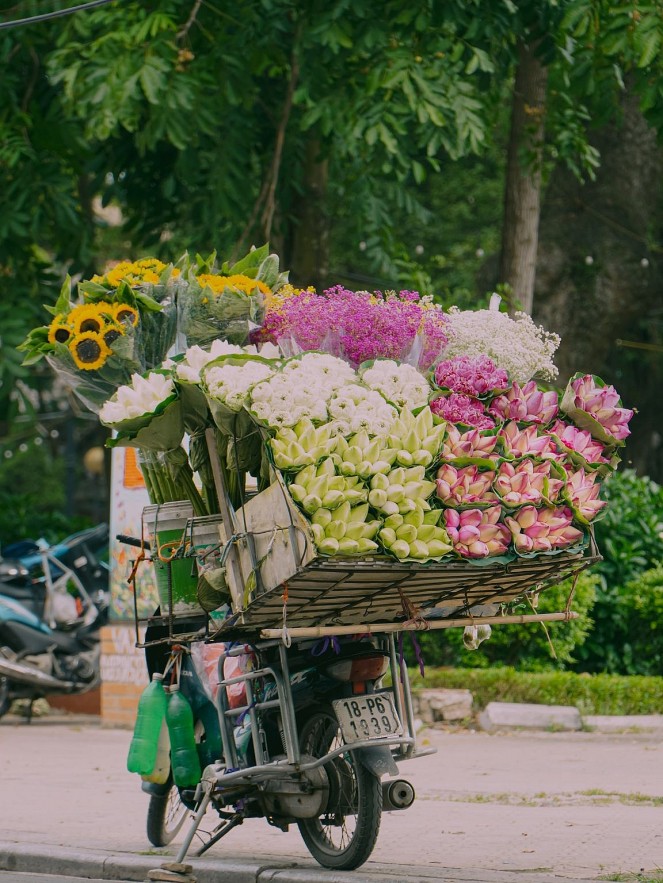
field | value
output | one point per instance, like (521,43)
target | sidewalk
(524,806)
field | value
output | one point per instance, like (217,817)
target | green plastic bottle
(183,751)
(149,718)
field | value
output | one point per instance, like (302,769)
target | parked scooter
(299,734)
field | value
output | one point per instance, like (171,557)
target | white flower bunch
(288,397)
(400,384)
(323,372)
(231,384)
(524,350)
(195,358)
(354,408)
(138,398)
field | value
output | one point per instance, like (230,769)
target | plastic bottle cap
(175,688)
(157,677)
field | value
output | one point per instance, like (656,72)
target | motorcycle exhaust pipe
(28,674)
(397,794)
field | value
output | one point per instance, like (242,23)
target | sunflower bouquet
(227,302)
(123,322)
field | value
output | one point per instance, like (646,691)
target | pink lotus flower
(583,490)
(602,402)
(462,409)
(464,486)
(471,375)
(468,444)
(524,481)
(580,441)
(526,442)
(542,530)
(477,533)
(527,404)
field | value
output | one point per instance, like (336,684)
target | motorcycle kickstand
(223,829)
(208,787)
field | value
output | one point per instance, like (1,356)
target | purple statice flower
(360,325)
(470,375)
(456,408)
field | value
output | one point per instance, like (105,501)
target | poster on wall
(128,497)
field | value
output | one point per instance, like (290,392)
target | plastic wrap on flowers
(596,407)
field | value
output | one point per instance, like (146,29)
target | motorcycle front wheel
(165,816)
(343,836)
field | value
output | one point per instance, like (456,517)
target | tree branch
(184,30)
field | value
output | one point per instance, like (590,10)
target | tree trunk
(598,283)
(310,247)
(522,194)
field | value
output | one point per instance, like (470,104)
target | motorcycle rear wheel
(343,836)
(165,816)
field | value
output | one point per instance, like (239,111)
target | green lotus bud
(397,476)
(328,546)
(436,548)
(318,533)
(323,435)
(354,530)
(387,537)
(373,450)
(348,547)
(426,532)
(367,547)
(310,503)
(342,512)
(422,457)
(347,468)
(388,455)
(423,504)
(361,440)
(389,508)
(395,493)
(364,470)
(304,460)
(359,513)
(294,450)
(354,497)
(319,486)
(442,536)
(427,488)
(416,518)
(306,476)
(332,499)
(321,517)
(330,445)
(354,455)
(377,498)
(406,506)
(286,434)
(380,482)
(297,492)
(282,461)
(419,550)
(404,458)
(414,473)
(394,521)
(336,529)
(400,549)
(303,426)
(277,446)
(424,422)
(407,532)
(433,516)
(326,468)
(381,467)
(308,439)
(432,443)
(336,483)
(370,529)
(412,490)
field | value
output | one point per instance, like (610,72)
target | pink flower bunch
(456,408)
(464,486)
(477,533)
(580,441)
(526,404)
(542,530)
(359,325)
(603,403)
(526,442)
(583,491)
(471,375)
(522,482)
(471,443)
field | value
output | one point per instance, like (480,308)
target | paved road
(576,805)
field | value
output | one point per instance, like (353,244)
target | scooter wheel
(165,816)
(343,835)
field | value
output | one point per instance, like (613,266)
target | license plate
(367,717)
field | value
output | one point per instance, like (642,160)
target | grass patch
(655,876)
(591,694)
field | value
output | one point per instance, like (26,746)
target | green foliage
(640,606)
(591,694)
(526,646)
(630,538)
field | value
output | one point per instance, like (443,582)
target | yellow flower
(86,317)
(111,331)
(134,273)
(125,313)
(274,300)
(219,283)
(59,331)
(89,350)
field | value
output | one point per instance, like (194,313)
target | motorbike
(300,732)
(49,621)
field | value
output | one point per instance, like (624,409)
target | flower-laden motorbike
(300,734)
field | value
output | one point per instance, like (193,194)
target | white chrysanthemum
(524,350)
(195,358)
(327,372)
(401,384)
(231,384)
(141,396)
(354,408)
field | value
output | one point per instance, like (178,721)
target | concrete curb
(76,862)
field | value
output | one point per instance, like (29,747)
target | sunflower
(87,317)
(89,350)
(59,331)
(125,313)
(111,331)
(243,283)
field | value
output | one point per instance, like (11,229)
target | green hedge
(591,694)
